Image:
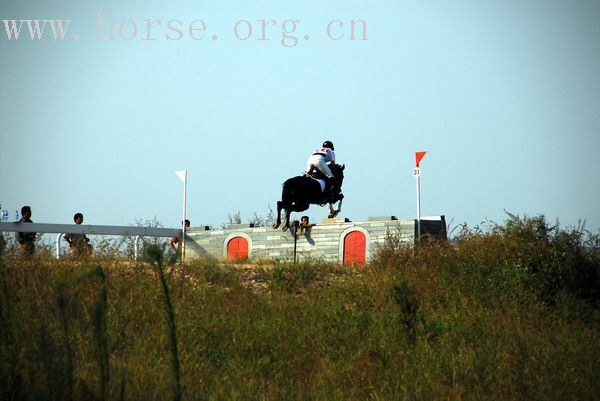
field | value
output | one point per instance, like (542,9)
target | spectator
(26,240)
(2,243)
(304,223)
(78,243)
(178,240)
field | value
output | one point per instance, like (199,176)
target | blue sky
(504,96)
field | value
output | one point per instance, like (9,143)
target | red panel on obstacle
(237,249)
(355,248)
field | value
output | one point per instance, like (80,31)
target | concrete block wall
(321,241)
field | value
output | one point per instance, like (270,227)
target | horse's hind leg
(278,221)
(286,225)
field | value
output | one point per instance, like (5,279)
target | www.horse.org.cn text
(284,32)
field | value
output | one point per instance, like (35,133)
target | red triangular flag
(419,156)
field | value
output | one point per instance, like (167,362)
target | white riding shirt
(319,160)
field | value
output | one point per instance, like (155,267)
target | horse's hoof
(284,228)
(276,225)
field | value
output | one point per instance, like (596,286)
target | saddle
(328,195)
(316,174)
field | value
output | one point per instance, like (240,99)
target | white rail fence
(62,229)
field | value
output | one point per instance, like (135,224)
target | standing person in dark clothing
(26,240)
(79,243)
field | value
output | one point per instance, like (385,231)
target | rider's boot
(331,187)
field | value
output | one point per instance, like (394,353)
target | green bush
(556,260)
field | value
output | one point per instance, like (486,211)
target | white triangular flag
(182,174)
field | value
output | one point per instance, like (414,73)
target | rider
(319,159)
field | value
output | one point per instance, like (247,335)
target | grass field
(507,314)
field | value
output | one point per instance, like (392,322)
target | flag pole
(417,173)
(419,206)
(182,174)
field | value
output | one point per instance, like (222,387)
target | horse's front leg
(334,213)
(278,221)
(339,209)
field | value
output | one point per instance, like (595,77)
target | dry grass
(487,319)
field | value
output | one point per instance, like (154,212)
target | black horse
(300,192)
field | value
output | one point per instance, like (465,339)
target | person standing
(178,240)
(26,240)
(79,243)
(2,243)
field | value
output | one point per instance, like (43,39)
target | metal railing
(62,229)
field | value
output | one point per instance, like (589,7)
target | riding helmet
(328,144)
